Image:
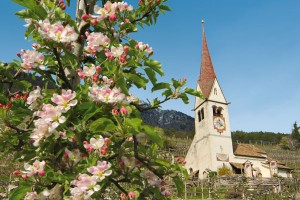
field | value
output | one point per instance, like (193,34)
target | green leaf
(175,83)
(102,125)
(24,84)
(165,7)
(137,80)
(40,11)
(155,65)
(163,162)
(20,192)
(134,123)
(151,75)
(122,84)
(26,3)
(160,86)
(87,116)
(179,185)
(184,98)
(68,2)
(193,92)
(153,135)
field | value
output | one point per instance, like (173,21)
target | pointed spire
(207,72)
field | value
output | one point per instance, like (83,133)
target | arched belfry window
(215,91)
(217,111)
(200,114)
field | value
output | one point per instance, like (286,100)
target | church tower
(212,145)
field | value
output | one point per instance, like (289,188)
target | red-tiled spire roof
(207,72)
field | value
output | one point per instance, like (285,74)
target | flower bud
(19,54)
(85,17)
(126,48)
(98,69)
(24,176)
(41,172)
(115,112)
(8,106)
(107,141)
(131,195)
(94,22)
(16,173)
(124,111)
(113,17)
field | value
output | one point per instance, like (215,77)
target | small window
(215,91)
(201,114)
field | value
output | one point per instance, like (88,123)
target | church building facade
(212,145)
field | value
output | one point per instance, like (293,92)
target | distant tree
(295,132)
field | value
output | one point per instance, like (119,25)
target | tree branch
(117,185)
(61,73)
(142,160)
(143,109)
(142,17)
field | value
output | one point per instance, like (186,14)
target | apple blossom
(73,156)
(96,41)
(52,113)
(57,32)
(100,171)
(31,196)
(106,95)
(35,168)
(65,100)
(85,186)
(32,59)
(33,97)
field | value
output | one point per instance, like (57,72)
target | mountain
(168,119)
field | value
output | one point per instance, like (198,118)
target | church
(212,146)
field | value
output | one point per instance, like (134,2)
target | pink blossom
(65,100)
(87,71)
(123,110)
(73,156)
(43,128)
(31,196)
(35,168)
(117,51)
(52,113)
(131,195)
(100,171)
(32,59)
(106,95)
(95,144)
(144,47)
(57,32)
(96,41)
(130,163)
(85,187)
(33,97)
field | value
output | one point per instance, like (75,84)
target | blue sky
(254,45)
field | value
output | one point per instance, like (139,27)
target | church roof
(207,72)
(248,150)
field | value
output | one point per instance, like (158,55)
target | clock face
(219,124)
